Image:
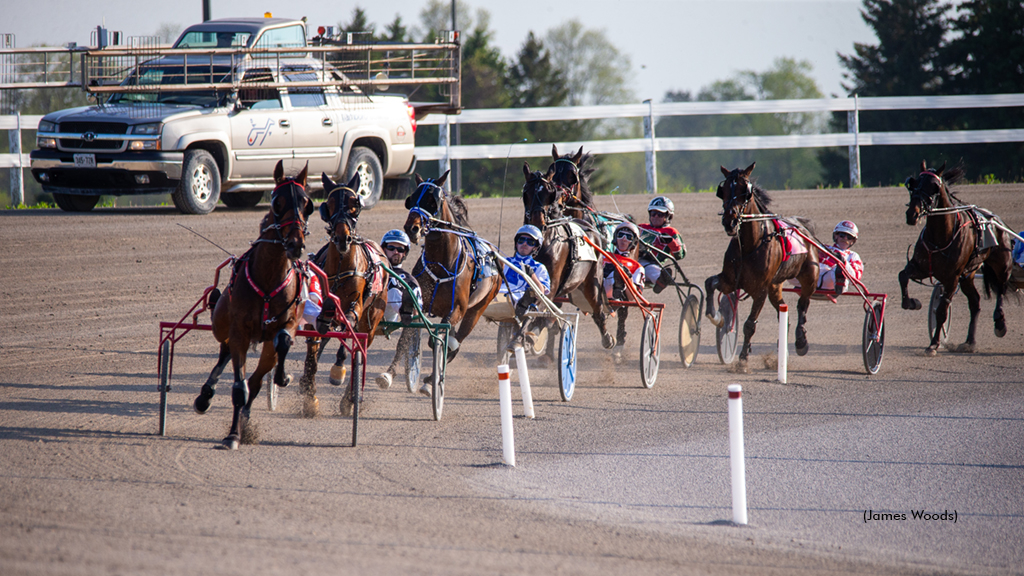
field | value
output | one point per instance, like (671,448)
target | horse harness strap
(267,297)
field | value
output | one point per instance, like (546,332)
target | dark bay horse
(353,267)
(262,302)
(756,260)
(448,270)
(951,249)
(560,253)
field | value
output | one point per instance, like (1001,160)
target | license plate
(85,160)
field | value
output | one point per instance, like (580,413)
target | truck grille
(95,128)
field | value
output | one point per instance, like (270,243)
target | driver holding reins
(665,239)
(844,236)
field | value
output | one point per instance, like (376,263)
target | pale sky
(673,44)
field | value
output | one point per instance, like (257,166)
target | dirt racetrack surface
(619,480)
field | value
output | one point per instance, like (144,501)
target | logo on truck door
(259,133)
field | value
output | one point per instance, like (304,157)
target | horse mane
(951,176)
(586,168)
(761,197)
(459,211)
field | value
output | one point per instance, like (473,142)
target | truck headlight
(47,126)
(147,129)
(138,145)
(46,142)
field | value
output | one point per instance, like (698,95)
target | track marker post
(736,458)
(783,337)
(505,401)
(524,382)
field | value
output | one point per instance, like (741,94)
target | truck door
(261,133)
(315,138)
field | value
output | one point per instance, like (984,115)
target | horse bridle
(572,190)
(728,204)
(277,226)
(550,211)
(916,193)
(341,215)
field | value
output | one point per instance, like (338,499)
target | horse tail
(992,282)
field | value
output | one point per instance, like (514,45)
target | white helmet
(662,204)
(531,231)
(848,227)
(629,226)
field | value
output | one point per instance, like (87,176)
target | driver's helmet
(533,232)
(395,237)
(848,227)
(662,204)
(628,227)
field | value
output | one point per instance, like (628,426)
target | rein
(266,319)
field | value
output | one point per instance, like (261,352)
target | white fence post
(17,172)
(444,141)
(736,456)
(853,127)
(650,155)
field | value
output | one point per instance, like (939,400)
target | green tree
(905,62)
(533,82)
(787,168)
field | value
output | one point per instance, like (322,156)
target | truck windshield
(201,39)
(153,77)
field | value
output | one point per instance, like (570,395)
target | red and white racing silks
(827,267)
(313,296)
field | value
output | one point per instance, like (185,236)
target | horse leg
(710,285)
(800,342)
(909,271)
(941,313)
(974,305)
(239,397)
(202,402)
(282,344)
(620,334)
(307,384)
(749,327)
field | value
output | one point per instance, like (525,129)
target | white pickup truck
(208,118)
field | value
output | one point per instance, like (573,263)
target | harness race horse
(757,260)
(353,268)
(951,248)
(262,302)
(450,268)
(563,248)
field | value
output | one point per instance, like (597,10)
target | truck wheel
(371,183)
(241,199)
(200,184)
(75,202)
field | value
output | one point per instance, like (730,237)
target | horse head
(542,201)
(341,210)
(570,175)
(923,192)
(427,201)
(290,207)
(736,192)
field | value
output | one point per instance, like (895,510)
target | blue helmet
(533,232)
(395,236)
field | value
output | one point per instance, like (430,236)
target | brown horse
(262,303)
(756,260)
(951,249)
(560,253)
(451,273)
(353,267)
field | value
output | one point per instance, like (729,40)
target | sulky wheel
(437,380)
(505,330)
(165,383)
(649,352)
(567,362)
(689,331)
(937,293)
(874,339)
(355,390)
(726,335)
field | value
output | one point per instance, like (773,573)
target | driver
(626,239)
(401,308)
(528,241)
(830,275)
(665,239)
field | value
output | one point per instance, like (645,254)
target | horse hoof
(965,348)
(229,443)
(285,381)
(201,405)
(1000,330)
(802,350)
(741,367)
(384,380)
(607,341)
(337,375)
(310,407)
(911,304)
(716,320)
(427,389)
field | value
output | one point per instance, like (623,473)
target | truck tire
(371,185)
(199,188)
(242,199)
(75,202)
